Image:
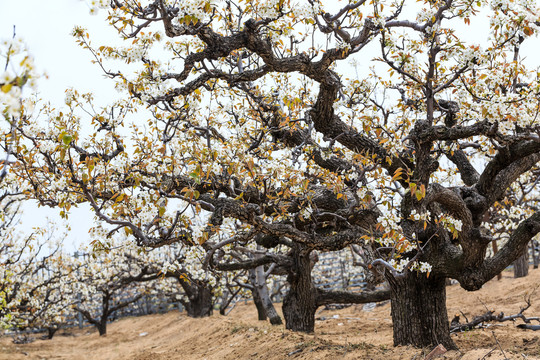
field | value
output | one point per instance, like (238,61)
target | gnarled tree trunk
(419,314)
(299,305)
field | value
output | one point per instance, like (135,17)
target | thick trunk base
(102,328)
(299,305)
(419,314)
(299,312)
(201,304)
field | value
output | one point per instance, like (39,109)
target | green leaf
(66,139)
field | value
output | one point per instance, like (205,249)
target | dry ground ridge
(350,333)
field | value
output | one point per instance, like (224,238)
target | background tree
(183,265)
(520,203)
(35,276)
(106,282)
(271,255)
(45,298)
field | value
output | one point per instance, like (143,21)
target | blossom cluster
(20,73)
(402,264)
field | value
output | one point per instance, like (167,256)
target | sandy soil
(350,333)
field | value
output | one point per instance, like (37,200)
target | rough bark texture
(261,311)
(418,312)
(200,303)
(325,297)
(273,315)
(521,265)
(299,304)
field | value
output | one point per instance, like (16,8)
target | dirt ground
(350,333)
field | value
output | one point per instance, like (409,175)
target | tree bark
(495,249)
(299,305)
(51,331)
(264,294)
(273,315)
(105,312)
(102,326)
(200,302)
(521,265)
(261,311)
(419,314)
(534,254)
(226,299)
(325,297)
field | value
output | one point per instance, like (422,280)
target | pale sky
(45,26)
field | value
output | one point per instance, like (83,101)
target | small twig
(465,316)
(500,347)
(231,308)
(485,356)
(294,352)
(481,302)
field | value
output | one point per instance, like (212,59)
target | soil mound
(349,333)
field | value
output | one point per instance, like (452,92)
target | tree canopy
(266,130)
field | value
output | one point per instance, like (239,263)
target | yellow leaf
(397,174)
(250,165)
(203,238)
(6,87)
(412,186)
